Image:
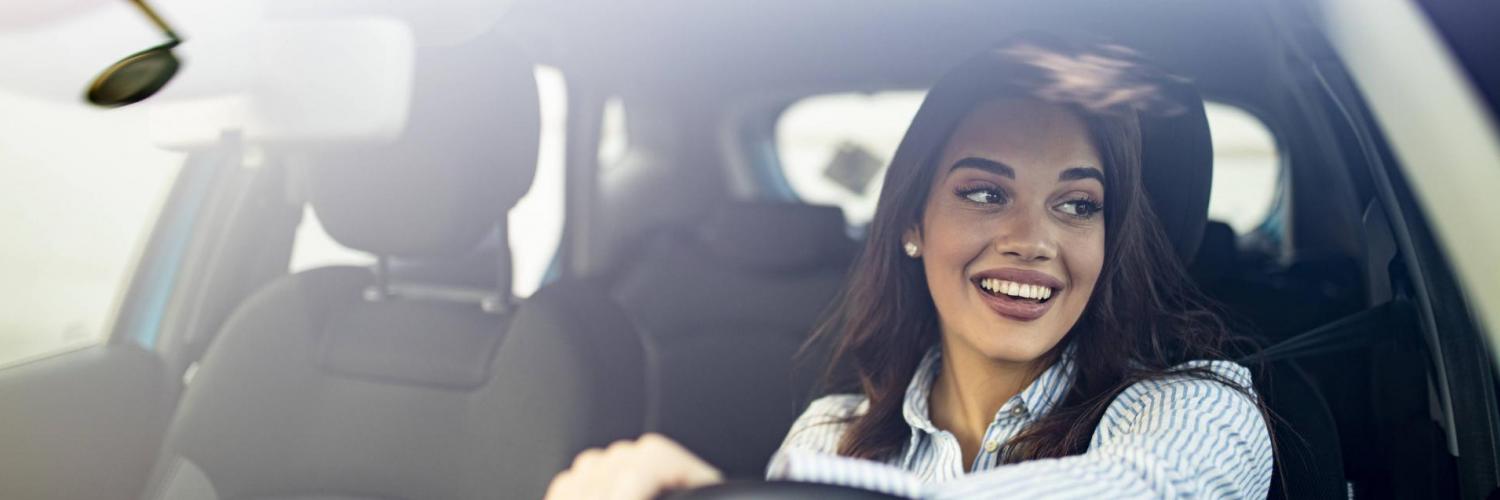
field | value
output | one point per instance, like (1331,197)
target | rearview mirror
(141,74)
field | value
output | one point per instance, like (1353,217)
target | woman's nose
(1025,238)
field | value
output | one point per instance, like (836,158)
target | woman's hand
(632,470)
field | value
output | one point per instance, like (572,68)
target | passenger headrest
(1177,168)
(467,154)
(777,237)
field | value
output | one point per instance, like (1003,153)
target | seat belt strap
(1356,331)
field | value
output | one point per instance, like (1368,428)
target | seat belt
(1356,331)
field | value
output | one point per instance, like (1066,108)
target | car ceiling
(696,52)
(747,47)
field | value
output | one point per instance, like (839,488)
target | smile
(995,286)
(1017,294)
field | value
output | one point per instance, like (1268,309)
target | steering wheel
(781,490)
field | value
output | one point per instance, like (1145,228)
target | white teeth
(1028,291)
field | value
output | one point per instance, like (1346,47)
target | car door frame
(1386,59)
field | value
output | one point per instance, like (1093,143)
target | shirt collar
(1037,399)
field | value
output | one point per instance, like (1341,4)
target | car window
(834,147)
(535,222)
(1247,168)
(833,150)
(79,190)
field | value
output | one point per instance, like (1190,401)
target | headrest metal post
(503,299)
(383,276)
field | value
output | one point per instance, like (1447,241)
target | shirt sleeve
(820,427)
(1175,437)
(809,453)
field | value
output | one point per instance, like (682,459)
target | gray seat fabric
(348,382)
(289,400)
(723,309)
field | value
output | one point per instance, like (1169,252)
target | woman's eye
(983,195)
(1082,209)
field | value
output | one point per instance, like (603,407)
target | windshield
(79,188)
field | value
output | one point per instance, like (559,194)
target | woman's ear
(911,242)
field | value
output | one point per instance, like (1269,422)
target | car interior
(689,277)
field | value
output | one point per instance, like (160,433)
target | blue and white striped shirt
(1174,437)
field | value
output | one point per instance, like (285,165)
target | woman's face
(1012,235)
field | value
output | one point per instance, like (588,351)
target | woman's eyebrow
(990,166)
(1076,173)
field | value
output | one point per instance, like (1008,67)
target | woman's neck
(969,390)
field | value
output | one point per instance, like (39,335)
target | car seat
(350,382)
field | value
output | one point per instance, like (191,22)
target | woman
(1019,324)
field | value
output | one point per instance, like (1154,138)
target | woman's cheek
(1086,261)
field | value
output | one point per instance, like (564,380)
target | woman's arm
(1166,438)
(822,425)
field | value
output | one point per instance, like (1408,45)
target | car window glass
(834,147)
(535,222)
(79,190)
(1247,168)
(833,150)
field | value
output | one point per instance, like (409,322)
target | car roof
(748,47)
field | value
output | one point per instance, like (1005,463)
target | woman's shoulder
(1199,375)
(822,425)
(1228,370)
(1207,385)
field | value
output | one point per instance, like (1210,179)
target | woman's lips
(1018,308)
(1015,308)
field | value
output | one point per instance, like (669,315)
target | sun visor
(289,83)
(433,22)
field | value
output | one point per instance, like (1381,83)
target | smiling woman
(1019,299)
(1020,181)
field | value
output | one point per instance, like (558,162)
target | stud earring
(911,249)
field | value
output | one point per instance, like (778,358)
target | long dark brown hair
(1144,316)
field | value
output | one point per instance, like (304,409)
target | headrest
(467,154)
(1217,254)
(769,236)
(1177,168)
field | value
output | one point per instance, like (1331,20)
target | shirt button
(1018,410)
(991,445)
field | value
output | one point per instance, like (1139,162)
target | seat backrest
(348,382)
(723,310)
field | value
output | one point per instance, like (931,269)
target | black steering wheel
(781,490)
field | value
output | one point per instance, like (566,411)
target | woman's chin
(1002,339)
(1014,345)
